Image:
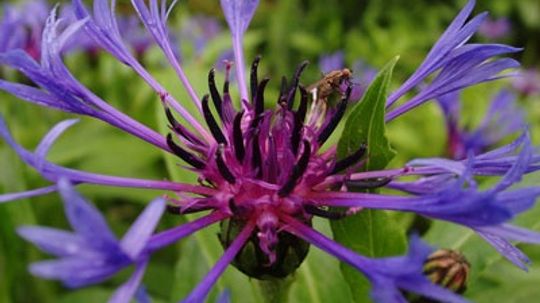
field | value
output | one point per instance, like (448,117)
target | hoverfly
(322,90)
(329,84)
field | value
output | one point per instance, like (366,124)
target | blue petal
(27,194)
(136,238)
(56,242)
(58,89)
(75,271)
(513,233)
(43,148)
(517,170)
(456,34)
(34,95)
(505,248)
(86,220)
(127,290)
(238,14)
(518,201)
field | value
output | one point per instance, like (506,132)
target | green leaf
(371,233)
(504,282)
(366,123)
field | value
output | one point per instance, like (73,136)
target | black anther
(184,154)
(349,160)
(211,122)
(216,98)
(222,167)
(298,170)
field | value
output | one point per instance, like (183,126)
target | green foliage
(369,232)
(366,125)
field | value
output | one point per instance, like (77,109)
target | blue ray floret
(502,119)
(91,253)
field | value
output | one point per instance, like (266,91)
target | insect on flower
(263,172)
(330,83)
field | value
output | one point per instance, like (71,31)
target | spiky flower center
(264,163)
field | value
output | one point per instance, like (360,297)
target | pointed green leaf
(370,233)
(366,124)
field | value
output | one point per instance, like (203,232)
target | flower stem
(275,290)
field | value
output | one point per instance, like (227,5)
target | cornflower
(527,82)
(495,28)
(22,27)
(503,118)
(262,172)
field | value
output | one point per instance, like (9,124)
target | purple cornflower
(527,82)
(22,27)
(92,253)
(494,29)
(263,172)
(502,119)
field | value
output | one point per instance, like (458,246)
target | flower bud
(290,252)
(449,269)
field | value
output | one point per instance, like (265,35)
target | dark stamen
(256,158)
(283,90)
(192,210)
(254,82)
(332,215)
(349,160)
(227,75)
(211,122)
(332,124)
(368,183)
(298,170)
(181,130)
(222,167)
(173,209)
(216,98)
(183,154)
(232,206)
(259,99)
(177,210)
(238,137)
(294,84)
(295,136)
(259,102)
(299,117)
(302,109)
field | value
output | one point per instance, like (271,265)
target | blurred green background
(284,33)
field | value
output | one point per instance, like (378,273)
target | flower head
(495,28)
(503,118)
(22,27)
(527,82)
(263,173)
(92,253)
